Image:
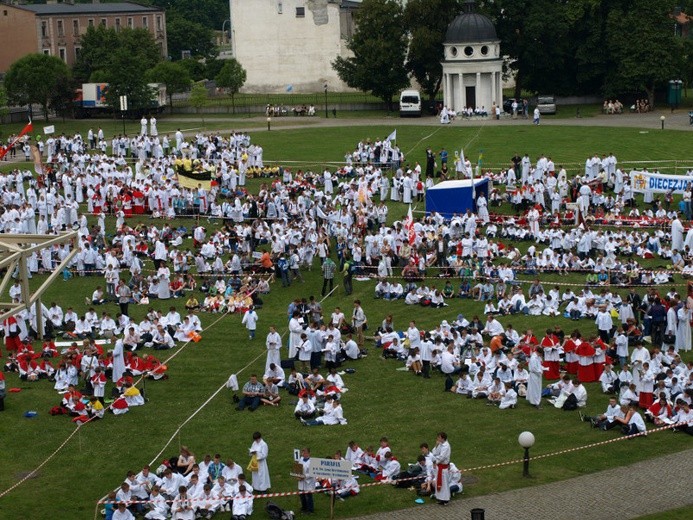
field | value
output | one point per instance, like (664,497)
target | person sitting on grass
(253,391)
(332,417)
(390,468)
(509,398)
(305,408)
(607,420)
(632,422)
(271,395)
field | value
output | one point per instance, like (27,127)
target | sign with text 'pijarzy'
(329,468)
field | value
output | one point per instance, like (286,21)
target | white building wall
(278,49)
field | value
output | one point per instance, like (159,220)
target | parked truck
(90,101)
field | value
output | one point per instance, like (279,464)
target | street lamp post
(526,440)
(326,116)
(662,118)
(223,31)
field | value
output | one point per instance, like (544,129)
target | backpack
(277,513)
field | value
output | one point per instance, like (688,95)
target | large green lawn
(381,400)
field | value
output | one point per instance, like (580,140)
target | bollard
(477,514)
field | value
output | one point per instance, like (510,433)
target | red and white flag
(28,128)
(409,225)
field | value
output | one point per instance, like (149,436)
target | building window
(130,23)
(44,29)
(78,51)
(280,8)
(453,51)
(145,22)
(117,24)
(90,22)
(104,22)
(63,54)
(61,28)
(484,50)
(4,12)
(158,23)
(300,12)
(47,52)
(468,51)
(75,27)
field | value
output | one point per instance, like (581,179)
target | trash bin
(690,117)
(478,514)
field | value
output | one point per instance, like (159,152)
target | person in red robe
(571,358)
(585,352)
(12,341)
(551,346)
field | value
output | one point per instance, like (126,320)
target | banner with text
(658,183)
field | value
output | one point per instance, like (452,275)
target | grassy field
(381,400)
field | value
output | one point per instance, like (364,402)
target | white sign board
(330,468)
(48,130)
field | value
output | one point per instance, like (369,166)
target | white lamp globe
(526,439)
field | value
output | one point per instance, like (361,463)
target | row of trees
(127,60)
(606,47)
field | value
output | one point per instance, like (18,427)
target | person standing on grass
(536,370)
(537,116)
(123,293)
(328,270)
(261,477)
(358,321)
(250,319)
(273,343)
(441,464)
(306,483)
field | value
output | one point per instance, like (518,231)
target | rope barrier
(466,470)
(79,424)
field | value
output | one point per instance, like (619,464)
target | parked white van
(410,103)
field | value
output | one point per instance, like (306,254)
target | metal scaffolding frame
(15,249)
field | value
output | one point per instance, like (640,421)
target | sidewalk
(622,493)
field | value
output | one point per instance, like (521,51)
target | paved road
(622,493)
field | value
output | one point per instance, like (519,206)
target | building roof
(470,27)
(96,9)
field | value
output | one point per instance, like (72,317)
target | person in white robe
(441,465)
(261,477)
(295,331)
(683,330)
(676,234)
(536,371)
(143,126)
(118,361)
(273,343)
(153,131)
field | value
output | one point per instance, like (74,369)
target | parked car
(546,104)
(508,105)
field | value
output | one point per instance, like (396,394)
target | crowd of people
(301,218)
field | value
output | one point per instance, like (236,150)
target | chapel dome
(470,27)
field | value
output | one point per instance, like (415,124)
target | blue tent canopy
(451,197)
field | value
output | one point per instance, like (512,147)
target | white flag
(392,136)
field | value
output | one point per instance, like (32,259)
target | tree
(427,22)
(379,45)
(173,75)
(231,77)
(196,69)
(655,59)
(186,35)
(39,79)
(535,34)
(198,98)
(4,108)
(121,59)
